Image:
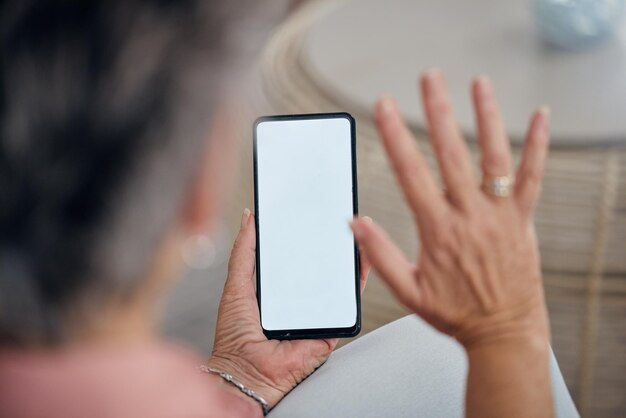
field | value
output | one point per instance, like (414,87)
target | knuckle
(442,236)
(484,228)
(409,169)
(495,160)
(489,231)
(237,267)
(233,261)
(533,176)
(236,247)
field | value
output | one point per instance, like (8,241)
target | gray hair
(104,109)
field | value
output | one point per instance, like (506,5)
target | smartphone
(305,195)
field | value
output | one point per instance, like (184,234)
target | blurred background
(569,54)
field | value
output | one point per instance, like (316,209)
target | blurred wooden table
(366,48)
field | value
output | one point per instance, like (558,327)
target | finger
(417,183)
(242,258)
(492,136)
(317,350)
(388,261)
(365,268)
(365,265)
(531,168)
(449,146)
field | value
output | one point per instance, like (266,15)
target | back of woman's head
(104,109)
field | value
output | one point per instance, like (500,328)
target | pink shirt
(142,380)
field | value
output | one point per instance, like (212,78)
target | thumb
(243,255)
(388,261)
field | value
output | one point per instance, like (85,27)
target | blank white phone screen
(306,248)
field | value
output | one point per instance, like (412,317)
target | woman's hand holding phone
(271,368)
(478,274)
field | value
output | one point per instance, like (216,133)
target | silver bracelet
(230,379)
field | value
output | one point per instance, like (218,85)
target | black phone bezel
(310,332)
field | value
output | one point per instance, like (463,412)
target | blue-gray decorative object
(575,24)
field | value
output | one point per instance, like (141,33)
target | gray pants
(404,369)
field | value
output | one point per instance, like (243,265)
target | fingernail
(431,73)
(430,76)
(245,217)
(545,112)
(368,219)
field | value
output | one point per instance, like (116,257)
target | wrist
(518,346)
(249,377)
(510,377)
(526,324)
(250,403)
